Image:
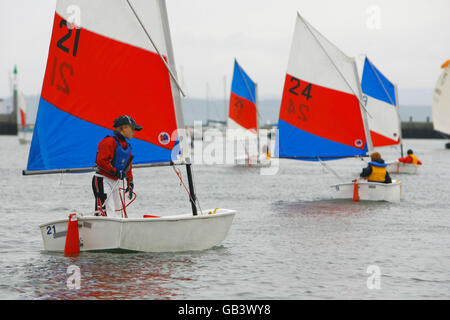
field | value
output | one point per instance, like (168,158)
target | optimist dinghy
(366,190)
(243,117)
(402,168)
(116,58)
(322,115)
(441,102)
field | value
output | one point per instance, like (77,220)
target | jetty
(421,130)
(8,122)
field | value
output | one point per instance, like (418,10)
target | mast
(192,196)
(207,104)
(399,120)
(363,110)
(13,117)
(257,119)
(177,98)
(225,97)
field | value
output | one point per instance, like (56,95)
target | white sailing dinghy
(243,117)
(322,115)
(380,98)
(441,102)
(115,59)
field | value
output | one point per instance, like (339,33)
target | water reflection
(325,207)
(110,276)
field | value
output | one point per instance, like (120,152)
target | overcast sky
(407,40)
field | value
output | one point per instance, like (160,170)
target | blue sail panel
(242,85)
(295,143)
(376,85)
(63,141)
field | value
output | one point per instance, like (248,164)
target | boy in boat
(410,158)
(114,162)
(376,170)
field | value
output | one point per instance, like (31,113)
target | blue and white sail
(381,101)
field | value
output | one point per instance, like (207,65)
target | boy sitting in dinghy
(376,170)
(410,158)
(114,162)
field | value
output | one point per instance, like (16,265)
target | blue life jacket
(378,164)
(122,157)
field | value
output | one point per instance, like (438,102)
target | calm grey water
(288,240)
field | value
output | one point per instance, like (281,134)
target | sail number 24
(294,107)
(63,68)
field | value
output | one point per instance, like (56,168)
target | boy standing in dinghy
(114,162)
(376,170)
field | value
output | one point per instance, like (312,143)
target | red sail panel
(243,112)
(23,119)
(98,79)
(324,112)
(379,140)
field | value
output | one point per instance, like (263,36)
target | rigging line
(379,80)
(331,170)
(178,173)
(109,196)
(339,71)
(159,53)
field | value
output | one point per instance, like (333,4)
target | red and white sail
(321,115)
(107,59)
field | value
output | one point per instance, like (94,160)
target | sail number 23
(62,68)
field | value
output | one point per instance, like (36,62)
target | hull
(403,168)
(165,234)
(369,191)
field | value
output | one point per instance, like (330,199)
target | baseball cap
(122,120)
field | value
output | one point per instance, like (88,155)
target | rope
(331,170)
(379,80)
(156,48)
(178,173)
(246,152)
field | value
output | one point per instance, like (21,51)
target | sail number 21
(63,68)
